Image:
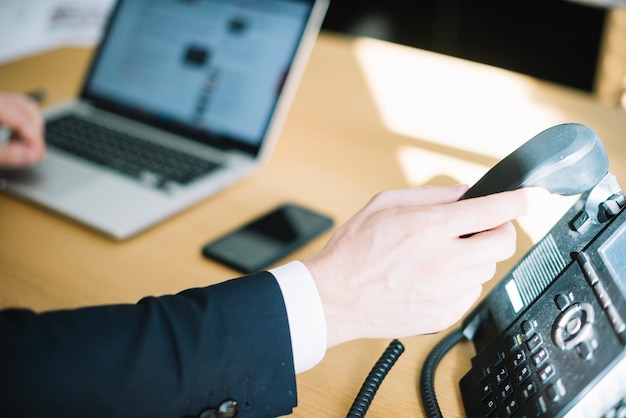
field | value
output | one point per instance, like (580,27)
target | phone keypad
(559,354)
(521,374)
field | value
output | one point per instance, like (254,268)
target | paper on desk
(32,26)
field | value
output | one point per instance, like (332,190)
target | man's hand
(400,267)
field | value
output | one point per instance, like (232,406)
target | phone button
(533,342)
(555,391)
(546,373)
(527,328)
(523,374)
(519,358)
(540,357)
(541,406)
(507,390)
(511,407)
(574,326)
(529,390)
(501,375)
(489,407)
(486,391)
(562,302)
(585,349)
(499,359)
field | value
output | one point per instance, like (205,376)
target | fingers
(15,154)
(21,154)
(30,127)
(22,116)
(484,213)
(411,198)
(492,246)
(420,196)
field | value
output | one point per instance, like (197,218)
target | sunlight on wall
(452,102)
(419,166)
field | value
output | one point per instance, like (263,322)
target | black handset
(565,159)
(550,338)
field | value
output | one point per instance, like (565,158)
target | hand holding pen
(21,131)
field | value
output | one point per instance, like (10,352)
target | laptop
(183,99)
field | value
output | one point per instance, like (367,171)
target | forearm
(168,356)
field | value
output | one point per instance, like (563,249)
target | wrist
(335,301)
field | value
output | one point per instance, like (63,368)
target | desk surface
(368,116)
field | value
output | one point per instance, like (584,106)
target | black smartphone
(267,239)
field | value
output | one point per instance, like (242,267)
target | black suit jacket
(170,356)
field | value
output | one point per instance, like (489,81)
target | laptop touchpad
(51,177)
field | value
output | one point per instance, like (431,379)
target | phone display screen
(612,253)
(267,239)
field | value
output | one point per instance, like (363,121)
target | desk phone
(550,338)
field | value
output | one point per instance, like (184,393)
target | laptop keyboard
(151,164)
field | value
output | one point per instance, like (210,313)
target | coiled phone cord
(427,378)
(374,379)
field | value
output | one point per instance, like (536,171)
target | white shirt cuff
(307,322)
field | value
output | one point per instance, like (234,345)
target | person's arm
(399,267)
(170,356)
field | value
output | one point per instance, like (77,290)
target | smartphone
(267,239)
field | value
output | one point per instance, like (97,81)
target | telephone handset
(550,338)
(565,159)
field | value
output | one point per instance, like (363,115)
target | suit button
(228,409)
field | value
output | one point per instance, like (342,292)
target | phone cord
(427,378)
(374,379)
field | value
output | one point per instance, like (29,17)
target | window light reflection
(453,102)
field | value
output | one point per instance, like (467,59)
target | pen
(5,135)
(5,132)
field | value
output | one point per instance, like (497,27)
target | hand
(22,116)
(399,267)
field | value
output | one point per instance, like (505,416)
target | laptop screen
(209,69)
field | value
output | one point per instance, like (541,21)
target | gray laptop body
(195,90)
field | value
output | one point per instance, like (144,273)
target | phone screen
(267,239)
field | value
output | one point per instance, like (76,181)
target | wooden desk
(346,138)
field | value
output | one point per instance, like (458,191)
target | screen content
(217,65)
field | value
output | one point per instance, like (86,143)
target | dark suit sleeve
(170,356)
